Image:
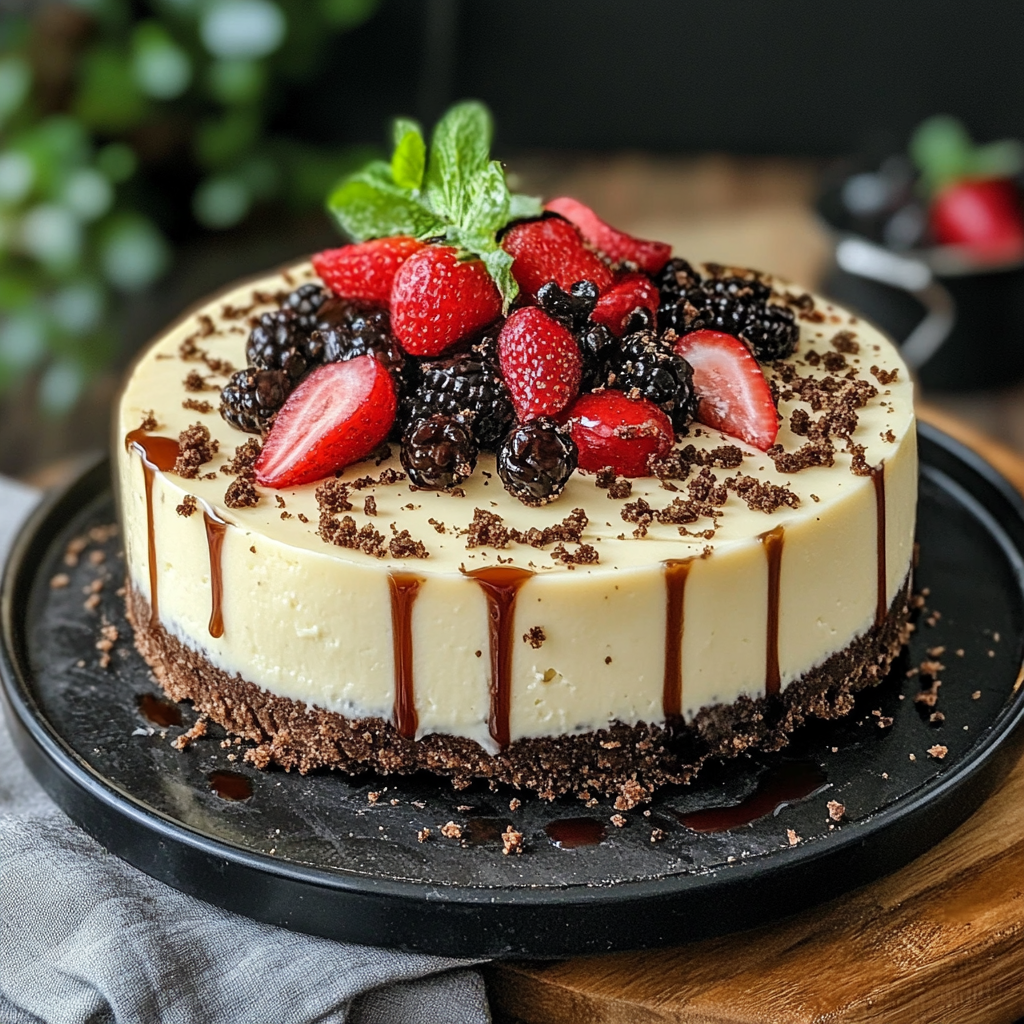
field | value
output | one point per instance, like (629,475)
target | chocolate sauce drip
(772,541)
(569,833)
(158,711)
(791,780)
(156,453)
(230,785)
(215,529)
(676,571)
(501,583)
(882,602)
(404,588)
(480,831)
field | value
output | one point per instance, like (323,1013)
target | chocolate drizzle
(571,833)
(159,711)
(501,583)
(215,529)
(404,587)
(881,604)
(230,785)
(676,572)
(156,453)
(772,541)
(787,782)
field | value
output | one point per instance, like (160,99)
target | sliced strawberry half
(612,430)
(552,250)
(732,393)
(630,293)
(365,270)
(650,257)
(540,361)
(335,417)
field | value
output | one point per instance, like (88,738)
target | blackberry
(438,452)
(738,306)
(535,460)
(252,396)
(469,388)
(772,333)
(305,303)
(347,328)
(280,342)
(599,348)
(648,365)
(675,279)
(571,308)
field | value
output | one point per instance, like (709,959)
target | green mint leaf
(1001,159)
(410,156)
(488,201)
(941,148)
(499,266)
(522,207)
(368,204)
(459,150)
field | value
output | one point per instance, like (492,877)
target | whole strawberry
(611,429)
(365,270)
(335,417)
(438,299)
(540,361)
(552,250)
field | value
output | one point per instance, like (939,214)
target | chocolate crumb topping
(585,554)
(149,422)
(535,637)
(512,841)
(244,462)
(189,351)
(487,530)
(332,497)
(620,489)
(402,545)
(195,381)
(187,507)
(301,518)
(196,406)
(196,448)
(846,342)
(884,376)
(384,479)
(241,493)
(438,527)
(605,478)
(834,361)
(762,497)
(814,453)
(812,358)
(370,505)
(344,534)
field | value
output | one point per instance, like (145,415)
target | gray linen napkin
(85,938)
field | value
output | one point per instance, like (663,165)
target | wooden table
(940,941)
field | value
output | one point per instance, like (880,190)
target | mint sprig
(456,193)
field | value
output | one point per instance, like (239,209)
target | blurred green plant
(122,123)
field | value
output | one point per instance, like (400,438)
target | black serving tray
(314,854)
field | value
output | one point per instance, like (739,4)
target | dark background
(795,77)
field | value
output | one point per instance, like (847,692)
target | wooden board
(940,941)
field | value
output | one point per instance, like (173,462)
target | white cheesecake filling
(310,621)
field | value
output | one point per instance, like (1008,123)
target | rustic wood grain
(939,942)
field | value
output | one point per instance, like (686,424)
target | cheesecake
(582,539)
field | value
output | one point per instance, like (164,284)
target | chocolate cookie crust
(627,762)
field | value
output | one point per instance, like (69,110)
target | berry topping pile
(464,318)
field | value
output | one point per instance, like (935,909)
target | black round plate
(316,855)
